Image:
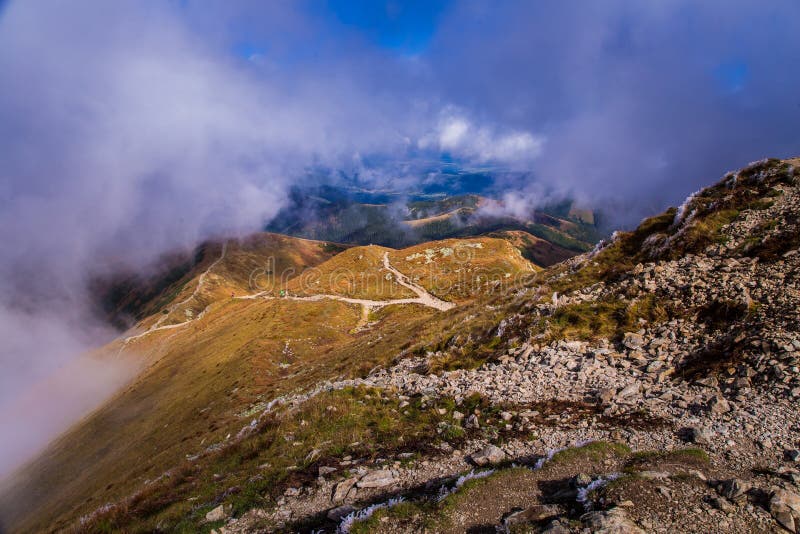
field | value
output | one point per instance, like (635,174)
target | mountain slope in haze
(214,357)
(650,385)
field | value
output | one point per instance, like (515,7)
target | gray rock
(534,514)
(325,470)
(785,508)
(792,455)
(734,488)
(699,435)
(377,479)
(343,489)
(217,514)
(718,405)
(633,340)
(613,521)
(489,455)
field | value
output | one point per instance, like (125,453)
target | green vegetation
(602,319)
(284,449)
(593,451)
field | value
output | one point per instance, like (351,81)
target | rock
(535,514)
(734,488)
(654,475)
(472,422)
(605,396)
(342,490)
(580,480)
(613,521)
(336,514)
(718,405)
(698,435)
(629,390)
(292,492)
(217,514)
(377,479)
(785,508)
(458,416)
(721,504)
(633,340)
(489,455)
(325,470)
(555,527)
(792,455)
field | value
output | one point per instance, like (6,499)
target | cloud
(639,102)
(126,132)
(460,136)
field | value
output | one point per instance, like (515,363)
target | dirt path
(157,326)
(423,297)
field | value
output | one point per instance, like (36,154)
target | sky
(130,128)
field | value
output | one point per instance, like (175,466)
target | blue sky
(402,26)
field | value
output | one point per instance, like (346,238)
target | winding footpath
(423,298)
(158,326)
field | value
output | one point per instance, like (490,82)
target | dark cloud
(639,102)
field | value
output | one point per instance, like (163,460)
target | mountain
(648,385)
(404,219)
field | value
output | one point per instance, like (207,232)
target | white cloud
(461,137)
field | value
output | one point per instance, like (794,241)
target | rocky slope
(650,385)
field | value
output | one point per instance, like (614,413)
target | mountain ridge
(681,333)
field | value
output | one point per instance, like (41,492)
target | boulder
(785,508)
(377,479)
(633,340)
(489,455)
(217,514)
(342,490)
(734,488)
(535,514)
(613,521)
(718,405)
(698,435)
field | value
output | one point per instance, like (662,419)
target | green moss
(596,450)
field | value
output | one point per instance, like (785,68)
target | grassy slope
(203,376)
(458,269)
(234,342)
(536,250)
